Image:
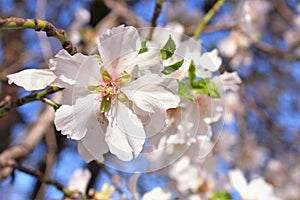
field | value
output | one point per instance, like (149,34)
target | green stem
(51,103)
(35,96)
(39,25)
(207,18)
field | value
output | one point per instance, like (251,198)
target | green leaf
(206,86)
(192,73)
(105,104)
(221,195)
(168,50)
(94,88)
(173,67)
(124,79)
(184,90)
(143,47)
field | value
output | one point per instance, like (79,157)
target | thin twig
(121,8)
(274,51)
(207,17)
(284,10)
(44,179)
(33,136)
(39,25)
(156,13)
(50,141)
(35,96)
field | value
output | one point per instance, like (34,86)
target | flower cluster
(132,91)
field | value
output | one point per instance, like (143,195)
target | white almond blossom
(157,193)
(256,189)
(236,47)
(191,122)
(111,103)
(80,180)
(192,174)
(254,15)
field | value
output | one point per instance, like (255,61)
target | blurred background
(261,137)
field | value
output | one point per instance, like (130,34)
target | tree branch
(39,25)
(157,11)
(42,178)
(35,96)
(33,136)
(121,8)
(274,51)
(207,17)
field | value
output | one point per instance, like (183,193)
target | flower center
(109,89)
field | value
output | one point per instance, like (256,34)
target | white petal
(228,47)
(118,144)
(230,81)
(84,153)
(153,122)
(157,192)
(73,120)
(161,35)
(32,79)
(126,137)
(117,42)
(149,62)
(128,122)
(261,187)
(189,50)
(210,60)
(152,90)
(238,181)
(92,146)
(80,180)
(71,70)
(89,73)
(67,96)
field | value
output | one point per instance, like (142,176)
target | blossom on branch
(109,103)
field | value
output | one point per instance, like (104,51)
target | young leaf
(192,73)
(221,195)
(143,48)
(173,67)
(168,50)
(206,86)
(184,90)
